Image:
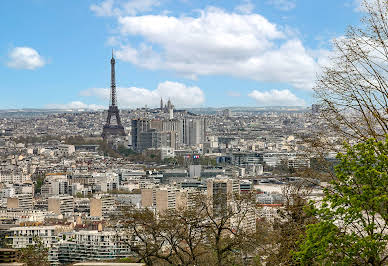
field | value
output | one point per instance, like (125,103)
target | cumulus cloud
(246,7)
(180,94)
(276,98)
(105,8)
(121,7)
(25,58)
(75,105)
(218,43)
(284,5)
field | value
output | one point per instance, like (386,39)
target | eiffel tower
(111,129)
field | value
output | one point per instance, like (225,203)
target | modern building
(20,202)
(25,236)
(61,205)
(194,131)
(92,246)
(169,197)
(103,206)
(155,133)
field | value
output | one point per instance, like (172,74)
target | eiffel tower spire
(113,101)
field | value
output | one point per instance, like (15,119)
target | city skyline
(256,53)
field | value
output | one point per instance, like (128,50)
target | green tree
(353,215)
(209,161)
(35,254)
(38,179)
(125,151)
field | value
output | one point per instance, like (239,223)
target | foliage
(34,139)
(107,150)
(125,152)
(79,195)
(174,160)
(353,216)
(38,179)
(35,254)
(206,160)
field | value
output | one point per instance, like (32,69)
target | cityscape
(171,177)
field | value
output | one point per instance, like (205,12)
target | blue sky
(55,54)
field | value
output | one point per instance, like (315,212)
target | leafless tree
(200,235)
(290,224)
(352,89)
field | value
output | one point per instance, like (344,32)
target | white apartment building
(12,177)
(92,246)
(24,236)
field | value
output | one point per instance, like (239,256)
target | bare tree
(35,254)
(229,231)
(352,90)
(202,235)
(290,224)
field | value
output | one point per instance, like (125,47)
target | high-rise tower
(113,129)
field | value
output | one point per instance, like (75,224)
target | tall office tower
(194,131)
(152,134)
(176,126)
(113,129)
(139,126)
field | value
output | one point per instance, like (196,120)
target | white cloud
(122,8)
(180,95)
(283,4)
(75,105)
(25,58)
(138,6)
(246,7)
(105,8)
(218,43)
(276,98)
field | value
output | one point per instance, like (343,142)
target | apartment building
(92,246)
(20,202)
(24,236)
(168,197)
(102,206)
(61,205)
